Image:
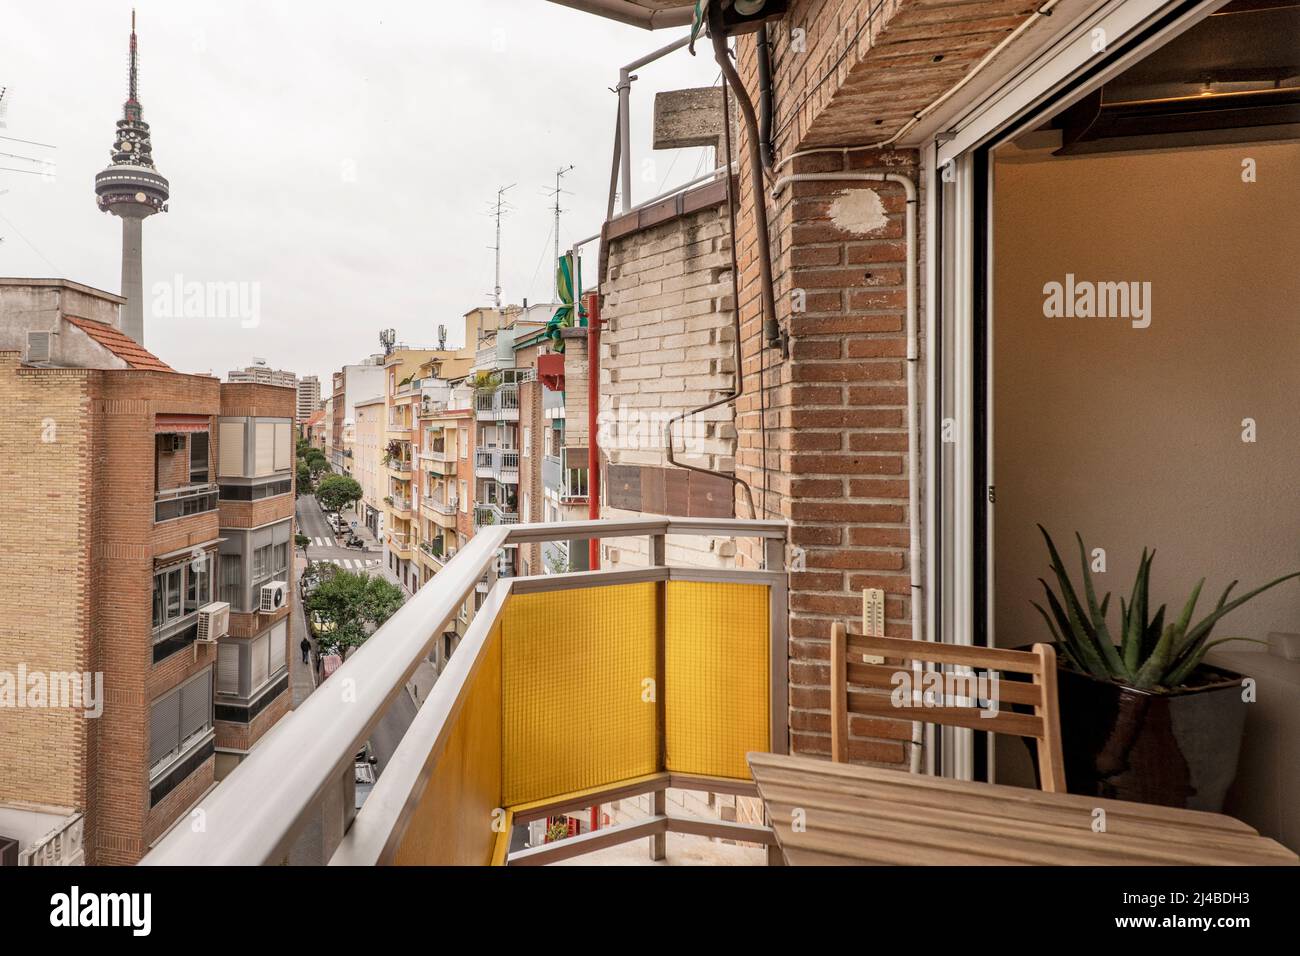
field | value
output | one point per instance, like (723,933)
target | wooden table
(842,814)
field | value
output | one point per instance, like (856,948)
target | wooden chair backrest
(876,689)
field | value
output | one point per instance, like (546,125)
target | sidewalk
(302,679)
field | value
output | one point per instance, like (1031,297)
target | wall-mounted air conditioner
(214,621)
(274,596)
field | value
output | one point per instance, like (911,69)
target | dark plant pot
(1177,750)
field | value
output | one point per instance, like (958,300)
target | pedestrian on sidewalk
(306,650)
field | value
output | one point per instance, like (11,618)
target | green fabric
(567,282)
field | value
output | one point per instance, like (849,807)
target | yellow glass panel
(453,825)
(575,709)
(716,680)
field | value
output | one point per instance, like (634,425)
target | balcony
(401,506)
(441,513)
(399,542)
(487,515)
(542,710)
(500,404)
(183,502)
(399,468)
(501,464)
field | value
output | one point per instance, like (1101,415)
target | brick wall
(667,347)
(46,471)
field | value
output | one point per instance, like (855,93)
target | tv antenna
(388,338)
(499,209)
(557,192)
(442,338)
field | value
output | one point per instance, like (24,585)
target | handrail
(310,747)
(254,815)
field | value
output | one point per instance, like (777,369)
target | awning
(178,424)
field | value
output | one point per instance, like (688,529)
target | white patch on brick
(859,211)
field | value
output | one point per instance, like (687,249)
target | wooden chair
(880,682)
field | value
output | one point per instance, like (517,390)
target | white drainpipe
(917,606)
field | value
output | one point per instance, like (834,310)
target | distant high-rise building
(308,397)
(132,189)
(259,373)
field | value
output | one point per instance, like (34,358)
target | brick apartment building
(130,487)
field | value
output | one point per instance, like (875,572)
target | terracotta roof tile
(121,345)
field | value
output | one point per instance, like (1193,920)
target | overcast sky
(341,157)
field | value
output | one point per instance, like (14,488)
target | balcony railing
(499,404)
(567,690)
(487,515)
(183,502)
(499,463)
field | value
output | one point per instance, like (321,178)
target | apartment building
(350,384)
(368,450)
(260,373)
(120,472)
(403,392)
(308,397)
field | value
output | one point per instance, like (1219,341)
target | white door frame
(1063,72)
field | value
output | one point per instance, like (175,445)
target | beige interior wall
(1134,436)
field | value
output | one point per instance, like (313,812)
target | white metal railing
(501,402)
(483,458)
(254,815)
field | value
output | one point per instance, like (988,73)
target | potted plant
(1143,717)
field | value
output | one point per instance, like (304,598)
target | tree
(316,462)
(351,607)
(304,477)
(301,541)
(337,492)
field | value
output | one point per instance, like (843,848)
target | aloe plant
(1149,654)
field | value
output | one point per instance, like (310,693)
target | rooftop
(121,345)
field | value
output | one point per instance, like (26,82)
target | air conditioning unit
(214,621)
(39,347)
(274,596)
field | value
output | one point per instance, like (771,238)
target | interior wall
(1133,436)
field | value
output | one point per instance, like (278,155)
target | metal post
(625,79)
(659,558)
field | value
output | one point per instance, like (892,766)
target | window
(230,448)
(228,668)
(524,517)
(198,583)
(464,496)
(232,580)
(199,458)
(282,560)
(259,662)
(261,563)
(528,441)
(550,443)
(168,595)
(179,720)
(464,443)
(267,489)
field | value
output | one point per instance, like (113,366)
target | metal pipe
(765,96)
(593,445)
(624,88)
(771,331)
(913,426)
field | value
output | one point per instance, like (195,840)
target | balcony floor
(684,849)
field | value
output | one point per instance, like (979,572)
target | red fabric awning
(176,424)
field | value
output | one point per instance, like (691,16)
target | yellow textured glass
(716,678)
(577,711)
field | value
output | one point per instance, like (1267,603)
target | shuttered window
(279,641)
(283,446)
(228,668)
(164,728)
(196,706)
(264,459)
(230,449)
(260,662)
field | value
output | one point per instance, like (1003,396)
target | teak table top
(828,813)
